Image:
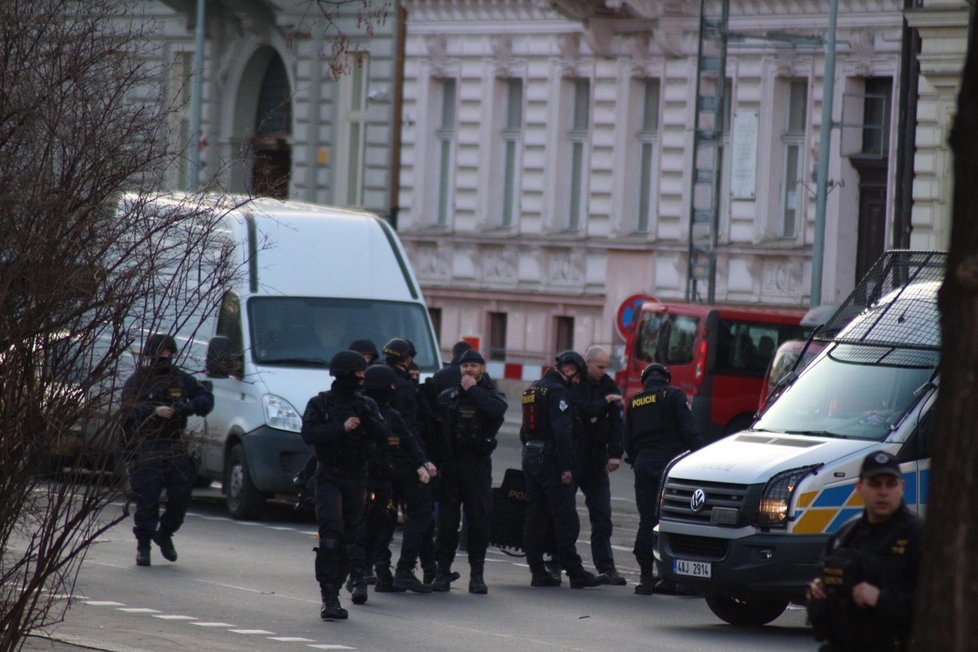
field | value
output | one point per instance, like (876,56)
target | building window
(578,139)
(180,84)
(445,140)
(876,116)
(497,335)
(435,315)
(564,333)
(648,140)
(793,148)
(512,134)
(352,139)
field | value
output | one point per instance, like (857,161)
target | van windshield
(308,331)
(854,391)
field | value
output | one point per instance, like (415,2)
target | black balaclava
(347,384)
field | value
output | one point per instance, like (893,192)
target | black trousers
(592,478)
(159,465)
(373,544)
(339,509)
(648,470)
(547,498)
(466,484)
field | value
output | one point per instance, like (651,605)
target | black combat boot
(142,553)
(612,577)
(443,580)
(646,584)
(405,580)
(477,584)
(583,580)
(359,591)
(541,577)
(428,573)
(331,609)
(165,541)
(385,580)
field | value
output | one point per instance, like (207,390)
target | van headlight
(280,414)
(776,497)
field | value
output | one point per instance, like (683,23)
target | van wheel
(244,500)
(750,613)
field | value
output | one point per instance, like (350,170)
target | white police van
(744,520)
(316,279)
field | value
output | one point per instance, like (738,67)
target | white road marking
(291,639)
(139,610)
(200,624)
(173,617)
(105,603)
(281,528)
(251,632)
(328,646)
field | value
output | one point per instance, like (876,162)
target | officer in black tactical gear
(473,412)
(599,452)
(399,477)
(548,462)
(157,399)
(864,598)
(303,479)
(345,428)
(398,355)
(658,426)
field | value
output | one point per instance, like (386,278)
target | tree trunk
(947,600)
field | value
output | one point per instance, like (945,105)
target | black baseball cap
(879,463)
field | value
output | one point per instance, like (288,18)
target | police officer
(473,411)
(345,428)
(158,398)
(599,452)
(658,426)
(398,355)
(864,598)
(548,462)
(303,480)
(367,348)
(399,476)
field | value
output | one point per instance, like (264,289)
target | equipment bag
(508,511)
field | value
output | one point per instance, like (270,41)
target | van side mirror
(222,361)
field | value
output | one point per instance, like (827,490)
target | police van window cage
(667,339)
(899,296)
(304,331)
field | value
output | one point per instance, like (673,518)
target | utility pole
(196,99)
(825,145)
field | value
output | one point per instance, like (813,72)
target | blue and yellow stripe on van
(824,510)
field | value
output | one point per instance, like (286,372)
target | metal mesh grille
(896,302)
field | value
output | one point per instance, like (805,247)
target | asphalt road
(250,586)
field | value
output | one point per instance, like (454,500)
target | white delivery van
(744,520)
(316,278)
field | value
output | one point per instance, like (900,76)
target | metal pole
(196,99)
(824,147)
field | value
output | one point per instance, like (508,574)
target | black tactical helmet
(345,363)
(366,347)
(574,358)
(398,349)
(379,376)
(657,369)
(158,342)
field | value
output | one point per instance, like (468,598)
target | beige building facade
(546,161)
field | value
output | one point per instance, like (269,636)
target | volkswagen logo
(697,500)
